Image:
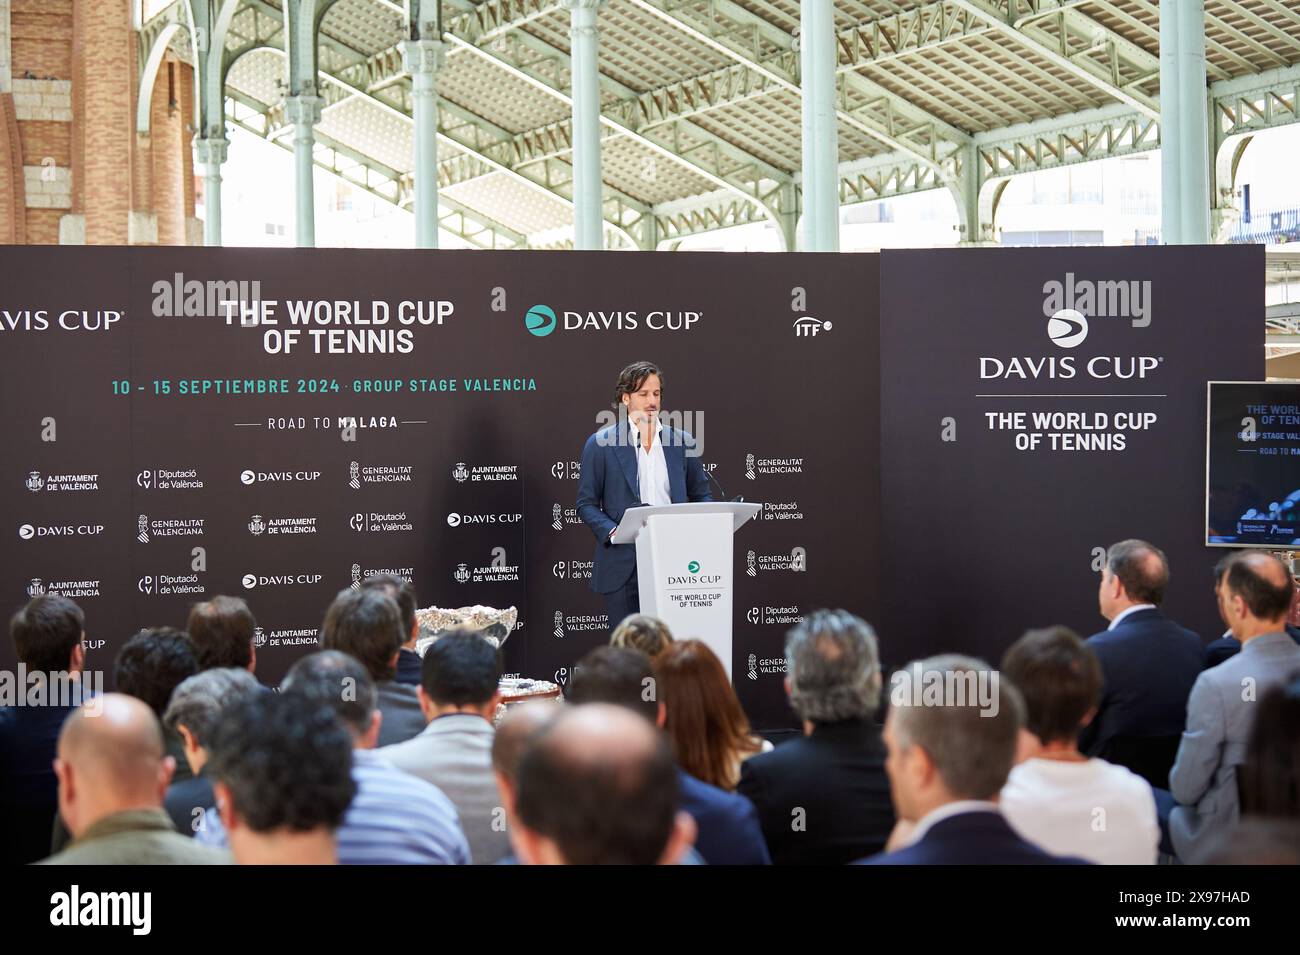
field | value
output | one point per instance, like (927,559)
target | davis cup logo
(247,477)
(1067,328)
(26,532)
(749,467)
(356,576)
(693,567)
(249,581)
(559,624)
(462,574)
(34,482)
(354,476)
(144,479)
(460,472)
(144,585)
(557,517)
(453,519)
(256,525)
(143,534)
(749,564)
(540,320)
(36,588)
(753,666)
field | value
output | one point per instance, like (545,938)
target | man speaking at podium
(635,461)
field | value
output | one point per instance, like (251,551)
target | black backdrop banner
(421,414)
(1039,405)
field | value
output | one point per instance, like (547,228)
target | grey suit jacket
(455,754)
(400,705)
(1219,721)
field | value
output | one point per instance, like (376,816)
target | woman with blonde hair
(709,731)
(642,632)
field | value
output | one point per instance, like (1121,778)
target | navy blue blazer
(1229,646)
(1148,665)
(729,833)
(609,486)
(971,838)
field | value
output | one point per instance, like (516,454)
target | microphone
(738,499)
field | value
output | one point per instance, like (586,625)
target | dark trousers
(623,602)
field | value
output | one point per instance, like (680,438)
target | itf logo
(753,666)
(540,320)
(808,327)
(750,569)
(143,534)
(35,482)
(559,624)
(354,476)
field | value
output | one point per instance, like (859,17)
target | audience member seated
(149,667)
(192,715)
(517,728)
(1270,777)
(223,631)
(48,636)
(1148,665)
(1254,597)
(727,826)
(458,695)
(113,773)
(706,726)
(642,632)
(1228,645)
(403,593)
(824,798)
(282,775)
(952,731)
(366,624)
(597,785)
(1056,797)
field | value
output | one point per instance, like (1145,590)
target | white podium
(684,567)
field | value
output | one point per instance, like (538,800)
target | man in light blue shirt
(395,818)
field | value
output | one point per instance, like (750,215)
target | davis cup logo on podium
(34,482)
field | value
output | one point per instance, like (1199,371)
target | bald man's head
(520,725)
(1261,581)
(111,758)
(599,782)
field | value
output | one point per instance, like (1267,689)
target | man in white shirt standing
(636,461)
(1055,796)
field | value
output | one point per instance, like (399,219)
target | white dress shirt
(1131,610)
(651,469)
